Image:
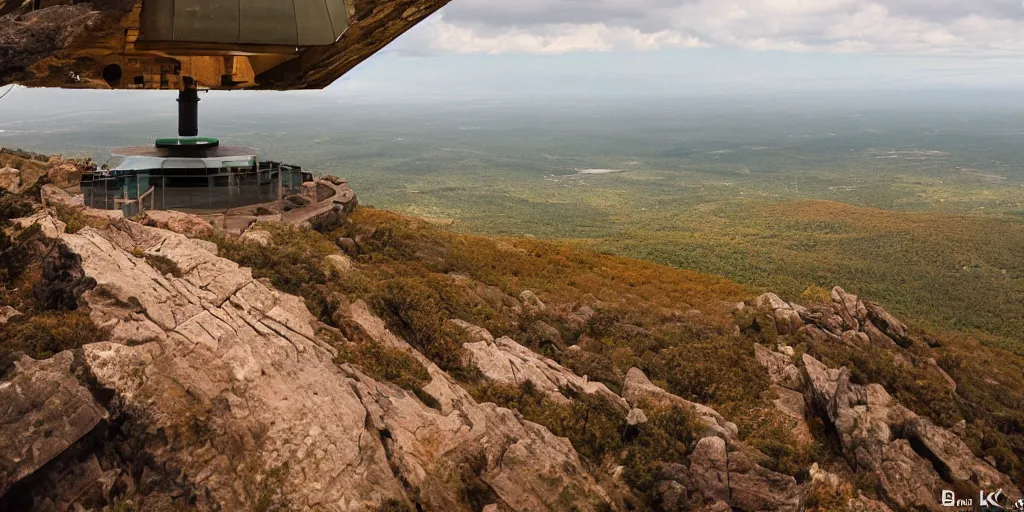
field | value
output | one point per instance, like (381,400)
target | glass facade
(189,184)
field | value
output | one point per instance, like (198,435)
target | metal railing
(167,189)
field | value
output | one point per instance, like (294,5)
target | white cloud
(977,28)
(553,39)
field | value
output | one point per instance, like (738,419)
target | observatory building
(189,174)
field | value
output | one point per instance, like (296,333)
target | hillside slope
(388,364)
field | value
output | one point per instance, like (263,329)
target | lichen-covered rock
(50,226)
(888,324)
(51,195)
(531,302)
(538,469)
(338,263)
(731,478)
(43,411)
(10,180)
(522,465)
(791,404)
(64,173)
(780,369)
(258,237)
(239,360)
(787,319)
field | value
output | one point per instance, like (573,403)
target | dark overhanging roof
(102,44)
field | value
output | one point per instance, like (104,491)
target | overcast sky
(522,48)
(498,46)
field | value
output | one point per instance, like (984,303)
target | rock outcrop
(214,391)
(227,386)
(504,361)
(44,411)
(638,390)
(52,195)
(720,469)
(10,180)
(845,318)
(911,458)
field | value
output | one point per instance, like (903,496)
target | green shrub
(592,423)
(668,437)
(45,334)
(418,314)
(385,364)
(163,265)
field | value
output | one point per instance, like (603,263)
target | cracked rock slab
(43,411)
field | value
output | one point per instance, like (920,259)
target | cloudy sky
(500,46)
(481,49)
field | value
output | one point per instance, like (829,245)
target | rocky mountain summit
(382,365)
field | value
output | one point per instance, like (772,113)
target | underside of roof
(157,44)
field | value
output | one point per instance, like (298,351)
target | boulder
(178,222)
(45,411)
(338,263)
(787,319)
(856,339)
(636,417)
(877,337)
(10,180)
(524,464)
(51,195)
(7,313)
(824,317)
(815,334)
(886,323)
(50,226)
(102,216)
(730,477)
(64,173)
(348,245)
(791,404)
(258,237)
(477,334)
(531,302)
(954,459)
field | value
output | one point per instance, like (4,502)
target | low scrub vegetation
(621,313)
(381,362)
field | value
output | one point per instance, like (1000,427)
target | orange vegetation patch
(555,272)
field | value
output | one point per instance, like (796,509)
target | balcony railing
(167,189)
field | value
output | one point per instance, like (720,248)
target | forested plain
(913,199)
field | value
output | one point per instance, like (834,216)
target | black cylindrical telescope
(188,112)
